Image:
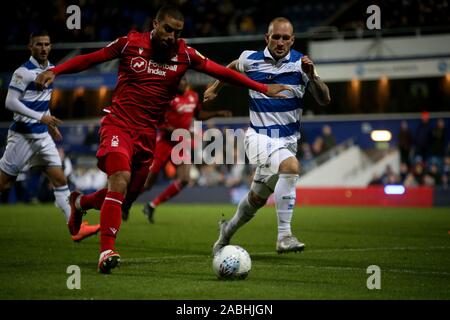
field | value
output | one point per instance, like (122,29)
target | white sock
(284,195)
(62,200)
(244,213)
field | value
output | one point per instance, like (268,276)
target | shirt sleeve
(227,75)
(115,48)
(243,61)
(13,103)
(85,61)
(20,80)
(197,60)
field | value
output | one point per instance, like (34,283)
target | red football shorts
(136,145)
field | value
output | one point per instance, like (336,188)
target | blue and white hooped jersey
(274,116)
(23,81)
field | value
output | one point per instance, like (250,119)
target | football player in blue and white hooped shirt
(29,143)
(271,140)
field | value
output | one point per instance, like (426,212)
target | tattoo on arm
(319,90)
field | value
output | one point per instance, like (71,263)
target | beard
(162,52)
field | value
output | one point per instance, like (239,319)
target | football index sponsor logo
(138,64)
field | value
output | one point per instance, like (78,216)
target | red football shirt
(181,110)
(145,87)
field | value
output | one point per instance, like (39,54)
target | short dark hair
(38,33)
(169,10)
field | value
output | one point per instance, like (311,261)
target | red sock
(93,200)
(110,219)
(170,192)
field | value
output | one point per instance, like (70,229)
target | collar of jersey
(36,63)
(269,56)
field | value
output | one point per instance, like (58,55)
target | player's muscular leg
(255,200)
(56,176)
(6,181)
(119,181)
(289,166)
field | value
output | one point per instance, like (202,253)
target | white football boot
(289,244)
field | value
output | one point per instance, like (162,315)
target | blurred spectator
(434,174)
(305,156)
(404,171)
(438,141)
(91,140)
(423,136)
(329,141)
(247,26)
(318,146)
(419,172)
(410,181)
(210,176)
(405,141)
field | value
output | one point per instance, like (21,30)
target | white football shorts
(267,154)
(22,153)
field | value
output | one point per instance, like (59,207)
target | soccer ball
(232,262)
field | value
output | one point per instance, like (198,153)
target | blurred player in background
(271,140)
(151,64)
(30,142)
(182,109)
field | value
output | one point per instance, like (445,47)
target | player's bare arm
(236,78)
(273,90)
(318,89)
(213,90)
(44,79)
(55,133)
(51,121)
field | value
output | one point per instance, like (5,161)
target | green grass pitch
(172,258)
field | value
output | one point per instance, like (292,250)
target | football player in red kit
(151,64)
(182,110)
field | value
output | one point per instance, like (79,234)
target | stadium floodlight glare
(394,189)
(381,135)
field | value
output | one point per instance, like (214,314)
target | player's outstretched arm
(213,90)
(233,77)
(74,65)
(318,89)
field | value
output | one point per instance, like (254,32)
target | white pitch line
(442,273)
(380,249)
